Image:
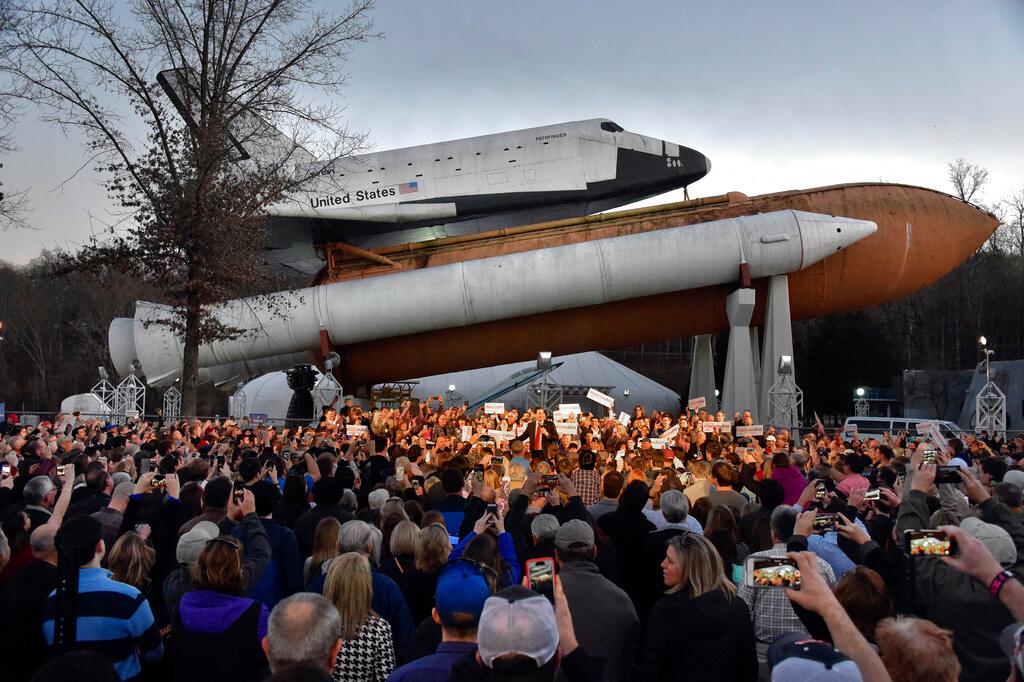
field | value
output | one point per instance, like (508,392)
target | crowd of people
(427,543)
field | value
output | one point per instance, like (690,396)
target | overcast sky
(779,95)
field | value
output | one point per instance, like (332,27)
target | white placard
(131,414)
(600,398)
(566,428)
(494,408)
(922,427)
(670,433)
(721,426)
(501,435)
(748,431)
(562,416)
(659,443)
(696,403)
(467,433)
(624,418)
(355,429)
(572,408)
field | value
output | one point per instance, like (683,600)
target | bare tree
(13,203)
(193,191)
(967,178)
(1013,219)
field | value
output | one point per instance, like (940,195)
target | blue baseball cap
(461,588)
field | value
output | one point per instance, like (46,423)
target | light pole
(990,403)
(861,407)
(785,399)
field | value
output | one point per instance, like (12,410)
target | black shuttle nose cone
(695,165)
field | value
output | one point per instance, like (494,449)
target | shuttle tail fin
(250,136)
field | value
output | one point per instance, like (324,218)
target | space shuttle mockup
(460,186)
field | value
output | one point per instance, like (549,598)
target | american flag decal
(408,188)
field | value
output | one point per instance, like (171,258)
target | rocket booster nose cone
(821,236)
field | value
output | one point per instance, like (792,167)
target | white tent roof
(269,394)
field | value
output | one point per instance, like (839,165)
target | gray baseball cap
(575,536)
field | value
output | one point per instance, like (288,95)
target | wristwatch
(997,583)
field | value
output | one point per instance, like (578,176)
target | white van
(875,427)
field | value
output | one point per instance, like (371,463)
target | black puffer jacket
(718,636)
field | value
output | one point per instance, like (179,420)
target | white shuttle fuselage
(455,187)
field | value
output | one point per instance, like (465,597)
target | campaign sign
(355,429)
(696,403)
(600,398)
(501,435)
(624,418)
(494,408)
(659,443)
(573,408)
(709,427)
(562,415)
(467,432)
(670,433)
(566,428)
(923,427)
(748,431)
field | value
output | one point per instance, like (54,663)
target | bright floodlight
(717,393)
(785,364)
(983,341)
(544,360)
(103,372)
(860,392)
(625,392)
(451,387)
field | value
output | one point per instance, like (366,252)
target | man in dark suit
(539,433)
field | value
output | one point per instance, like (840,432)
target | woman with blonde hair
(130,561)
(701,608)
(325,546)
(367,650)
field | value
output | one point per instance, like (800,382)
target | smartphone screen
(6,471)
(875,494)
(399,472)
(551,480)
(492,509)
(239,492)
(819,490)
(928,543)
(772,572)
(541,574)
(825,522)
(478,472)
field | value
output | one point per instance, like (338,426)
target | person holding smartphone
(701,608)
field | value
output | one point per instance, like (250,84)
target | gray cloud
(778,95)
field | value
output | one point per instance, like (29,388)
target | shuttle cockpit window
(612,127)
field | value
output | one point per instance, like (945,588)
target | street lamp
(861,407)
(990,403)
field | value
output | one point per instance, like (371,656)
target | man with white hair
(303,629)
(388,601)
(39,496)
